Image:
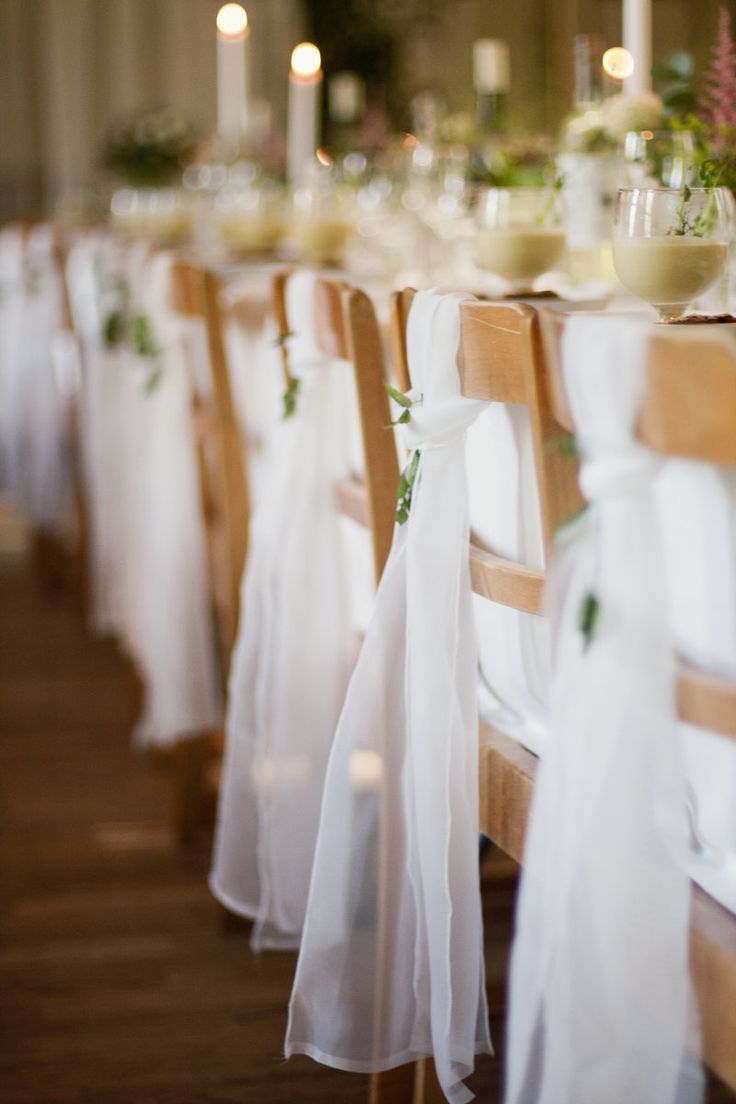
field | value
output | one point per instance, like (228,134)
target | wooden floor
(118,981)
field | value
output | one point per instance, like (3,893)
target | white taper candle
(638,41)
(232,71)
(305,95)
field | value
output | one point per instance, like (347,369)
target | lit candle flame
(306,60)
(232,21)
(618,63)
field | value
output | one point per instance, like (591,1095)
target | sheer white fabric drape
(34,429)
(505,517)
(147,541)
(600,994)
(295,649)
(391,963)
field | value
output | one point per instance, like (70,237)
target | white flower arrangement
(602,129)
(632,111)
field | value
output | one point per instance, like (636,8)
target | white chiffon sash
(33,421)
(167,614)
(599,981)
(294,653)
(514,647)
(391,963)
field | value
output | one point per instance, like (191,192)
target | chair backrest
(688,411)
(347,328)
(501,361)
(221,457)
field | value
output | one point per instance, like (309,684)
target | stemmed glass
(520,233)
(670,244)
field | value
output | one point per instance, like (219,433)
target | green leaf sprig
(289,398)
(588,617)
(710,174)
(566,443)
(403,401)
(542,216)
(406,488)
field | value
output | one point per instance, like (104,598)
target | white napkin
(391,963)
(294,653)
(599,981)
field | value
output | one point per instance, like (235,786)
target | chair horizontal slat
(504,581)
(713,966)
(707,701)
(506,777)
(352,498)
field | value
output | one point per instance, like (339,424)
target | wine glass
(322,215)
(250,217)
(670,244)
(659,157)
(520,233)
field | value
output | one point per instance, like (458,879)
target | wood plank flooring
(119,981)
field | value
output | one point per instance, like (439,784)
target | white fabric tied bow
(294,652)
(391,963)
(599,984)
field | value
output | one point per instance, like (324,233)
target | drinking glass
(520,233)
(670,244)
(659,157)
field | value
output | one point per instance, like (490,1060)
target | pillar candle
(305,95)
(638,41)
(232,71)
(346,95)
(491,65)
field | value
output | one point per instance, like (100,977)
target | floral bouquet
(151,149)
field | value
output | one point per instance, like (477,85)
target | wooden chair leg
(415,1083)
(194,799)
(426,1086)
(395,1086)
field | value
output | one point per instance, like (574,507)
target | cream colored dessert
(250,234)
(322,238)
(668,271)
(519,253)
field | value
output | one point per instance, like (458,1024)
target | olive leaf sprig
(588,616)
(289,397)
(408,476)
(135,329)
(403,401)
(406,488)
(590,606)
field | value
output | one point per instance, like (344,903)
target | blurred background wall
(68,68)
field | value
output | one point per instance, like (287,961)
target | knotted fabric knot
(438,424)
(622,474)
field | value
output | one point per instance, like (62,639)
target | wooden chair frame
(221,458)
(347,328)
(510,353)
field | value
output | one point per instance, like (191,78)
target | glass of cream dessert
(670,244)
(519,233)
(250,218)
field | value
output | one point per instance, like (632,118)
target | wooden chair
(221,457)
(689,411)
(347,328)
(503,359)
(225,501)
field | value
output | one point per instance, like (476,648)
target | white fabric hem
(372,1066)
